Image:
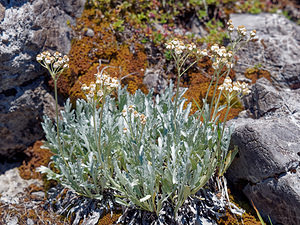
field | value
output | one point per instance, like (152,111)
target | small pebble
(89,32)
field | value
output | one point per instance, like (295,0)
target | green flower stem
(188,68)
(206,97)
(57,124)
(154,205)
(215,90)
(177,87)
(218,100)
(179,74)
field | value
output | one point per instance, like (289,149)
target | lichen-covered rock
(12,186)
(277,50)
(268,163)
(27,28)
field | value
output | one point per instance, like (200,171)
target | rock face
(277,50)
(268,163)
(267,167)
(27,28)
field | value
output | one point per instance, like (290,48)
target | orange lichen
(254,74)
(123,57)
(109,219)
(37,157)
(249,218)
(230,219)
(198,85)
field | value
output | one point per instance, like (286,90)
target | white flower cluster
(179,47)
(202,52)
(54,61)
(136,114)
(104,85)
(234,87)
(106,80)
(241,30)
(221,57)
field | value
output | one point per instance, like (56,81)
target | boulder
(27,28)
(277,50)
(267,167)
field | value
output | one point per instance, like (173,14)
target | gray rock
(27,28)
(21,115)
(278,48)
(267,147)
(266,100)
(278,197)
(155,78)
(269,156)
(267,166)
(89,32)
(12,186)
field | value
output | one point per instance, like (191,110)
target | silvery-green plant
(148,149)
(88,135)
(173,154)
(167,157)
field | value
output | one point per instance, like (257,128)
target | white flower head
(66,59)
(131,108)
(57,55)
(100,93)
(214,48)
(191,47)
(135,114)
(203,52)
(222,51)
(39,57)
(56,65)
(229,65)
(48,60)
(253,33)
(143,119)
(242,30)
(215,65)
(229,22)
(230,28)
(85,88)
